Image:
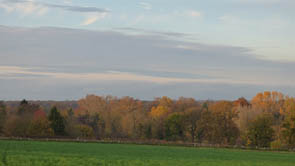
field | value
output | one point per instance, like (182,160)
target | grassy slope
(33,153)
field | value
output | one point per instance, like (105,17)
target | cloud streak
(17,72)
(29,7)
(24,7)
(145,5)
(81,9)
(174,35)
(93,18)
(78,8)
(194,14)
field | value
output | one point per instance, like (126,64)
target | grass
(37,153)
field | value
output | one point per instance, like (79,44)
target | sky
(213,49)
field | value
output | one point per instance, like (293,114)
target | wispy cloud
(145,5)
(68,1)
(78,8)
(83,9)
(175,35)
(23,7)
(17,72)
(284,3)
(194,14)
(260,1)
(93,18)
(26,7)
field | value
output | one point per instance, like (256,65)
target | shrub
(85,131)
(277,144)
(16,126)
(40,128)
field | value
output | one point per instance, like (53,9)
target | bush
(40,128)
(16,126)
(277,144)
(85,131)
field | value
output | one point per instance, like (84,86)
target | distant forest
(267,120)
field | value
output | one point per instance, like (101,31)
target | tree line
(267,120)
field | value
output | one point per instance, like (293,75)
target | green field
(35,153)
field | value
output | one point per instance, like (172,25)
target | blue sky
(64,49)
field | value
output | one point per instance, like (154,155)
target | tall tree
(94,121)
(158,115)
(268,102)
(2,116)
(288,131)
(182,104)
(57,122)
(27,109)
(260,132)
(132,114)
(225,129)
(192,119)
(288,125)
(175,127)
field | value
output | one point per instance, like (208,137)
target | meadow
(38,153)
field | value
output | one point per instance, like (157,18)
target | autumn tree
(40,128)
(192,120)
(93,104)
(158,114)
(182,104)
(224,128)
(106,108)
(289,106)
(71,123)
(271,103)
(27,109)
(85,131)
(93,121)
(268,102)
(16,126)
(288,125)
(288,131)
(39,125)
(132,114)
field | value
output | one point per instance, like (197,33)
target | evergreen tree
(57,122)
(2,115)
